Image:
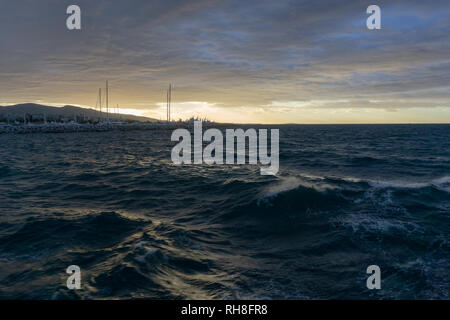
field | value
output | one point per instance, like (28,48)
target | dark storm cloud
(229,52)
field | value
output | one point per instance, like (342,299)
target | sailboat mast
(100,99)
(170,100)
(107,102)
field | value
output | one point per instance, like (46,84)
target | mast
(107,102)
(100,99)
(170,100)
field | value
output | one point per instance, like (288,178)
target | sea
(346,197)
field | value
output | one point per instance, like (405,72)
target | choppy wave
(140,227)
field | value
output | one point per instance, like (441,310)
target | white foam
(363,222)
(406,185)
(286,184)
(443,180)
(293,182)
(442,183)
(439,183)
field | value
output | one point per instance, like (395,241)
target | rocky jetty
(88,127)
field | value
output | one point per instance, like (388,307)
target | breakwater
(89,127)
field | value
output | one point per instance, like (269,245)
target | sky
(301,61)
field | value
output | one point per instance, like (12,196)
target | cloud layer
(240,61)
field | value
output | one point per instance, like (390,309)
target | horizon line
(61,105)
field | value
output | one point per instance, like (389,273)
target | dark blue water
(346,197)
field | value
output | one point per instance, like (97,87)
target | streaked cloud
(245,61)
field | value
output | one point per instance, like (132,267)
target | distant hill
(66,112)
